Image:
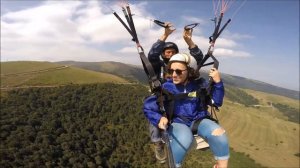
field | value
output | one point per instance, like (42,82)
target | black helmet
(171,45)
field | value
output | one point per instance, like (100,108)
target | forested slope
(74,126)
(96,125)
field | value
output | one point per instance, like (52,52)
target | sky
(261,42)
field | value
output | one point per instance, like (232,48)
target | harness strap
(154,82)
(169,98)
(197,122)
(165,96)
(195,127)
(127,28)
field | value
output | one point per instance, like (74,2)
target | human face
(179,78)
(168,53)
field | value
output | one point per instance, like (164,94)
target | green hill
(136,73)
(289,108)
(24,66)
(263,133)
(130,72)
(245,83)
(260,125)
(18,74)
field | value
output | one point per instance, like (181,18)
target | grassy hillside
(289,108)
(24,66)
(245,83)
(264,98)
(130,72)
(261,133)
(16,74)
(137,73)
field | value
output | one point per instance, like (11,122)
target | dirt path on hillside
(47,86)
(35,72)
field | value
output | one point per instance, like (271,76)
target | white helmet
(186,58)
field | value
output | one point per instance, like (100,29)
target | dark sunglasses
(177,71)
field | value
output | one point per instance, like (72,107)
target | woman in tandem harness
(159,56)
(187,112)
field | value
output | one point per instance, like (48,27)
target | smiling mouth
(175,80)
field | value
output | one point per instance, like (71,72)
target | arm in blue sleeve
(151,110)
(196,53)
(154,56)
(218,93)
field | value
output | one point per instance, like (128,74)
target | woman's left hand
(163,123)
(215,75)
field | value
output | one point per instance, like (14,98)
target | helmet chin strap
(166,60)
(187,76)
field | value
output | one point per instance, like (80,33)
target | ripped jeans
(181,139)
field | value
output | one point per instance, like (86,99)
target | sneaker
(160,152)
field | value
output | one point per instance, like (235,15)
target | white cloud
(128,50)
(85,31)
(57,53)
(241,36)
(189,19)
(223,52)
(99,27)
(39,23)
(225,42)
(56,31)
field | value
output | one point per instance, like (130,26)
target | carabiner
(160,23)
(190,26)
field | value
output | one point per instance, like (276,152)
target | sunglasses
(177,71)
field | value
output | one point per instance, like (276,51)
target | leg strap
(195,127)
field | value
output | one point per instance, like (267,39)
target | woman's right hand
(187,36)
(168,30)
(163,122)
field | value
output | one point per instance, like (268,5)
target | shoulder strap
(154,82)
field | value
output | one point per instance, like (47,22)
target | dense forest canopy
(239,96)
(94,125)
(87,125)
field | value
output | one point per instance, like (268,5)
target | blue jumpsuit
(185,113)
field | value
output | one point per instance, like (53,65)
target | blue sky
(261,42)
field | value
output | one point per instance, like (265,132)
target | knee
(186,139)
(182,135)
(219,136)
(218,132)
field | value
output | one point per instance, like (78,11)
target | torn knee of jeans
(218,132)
